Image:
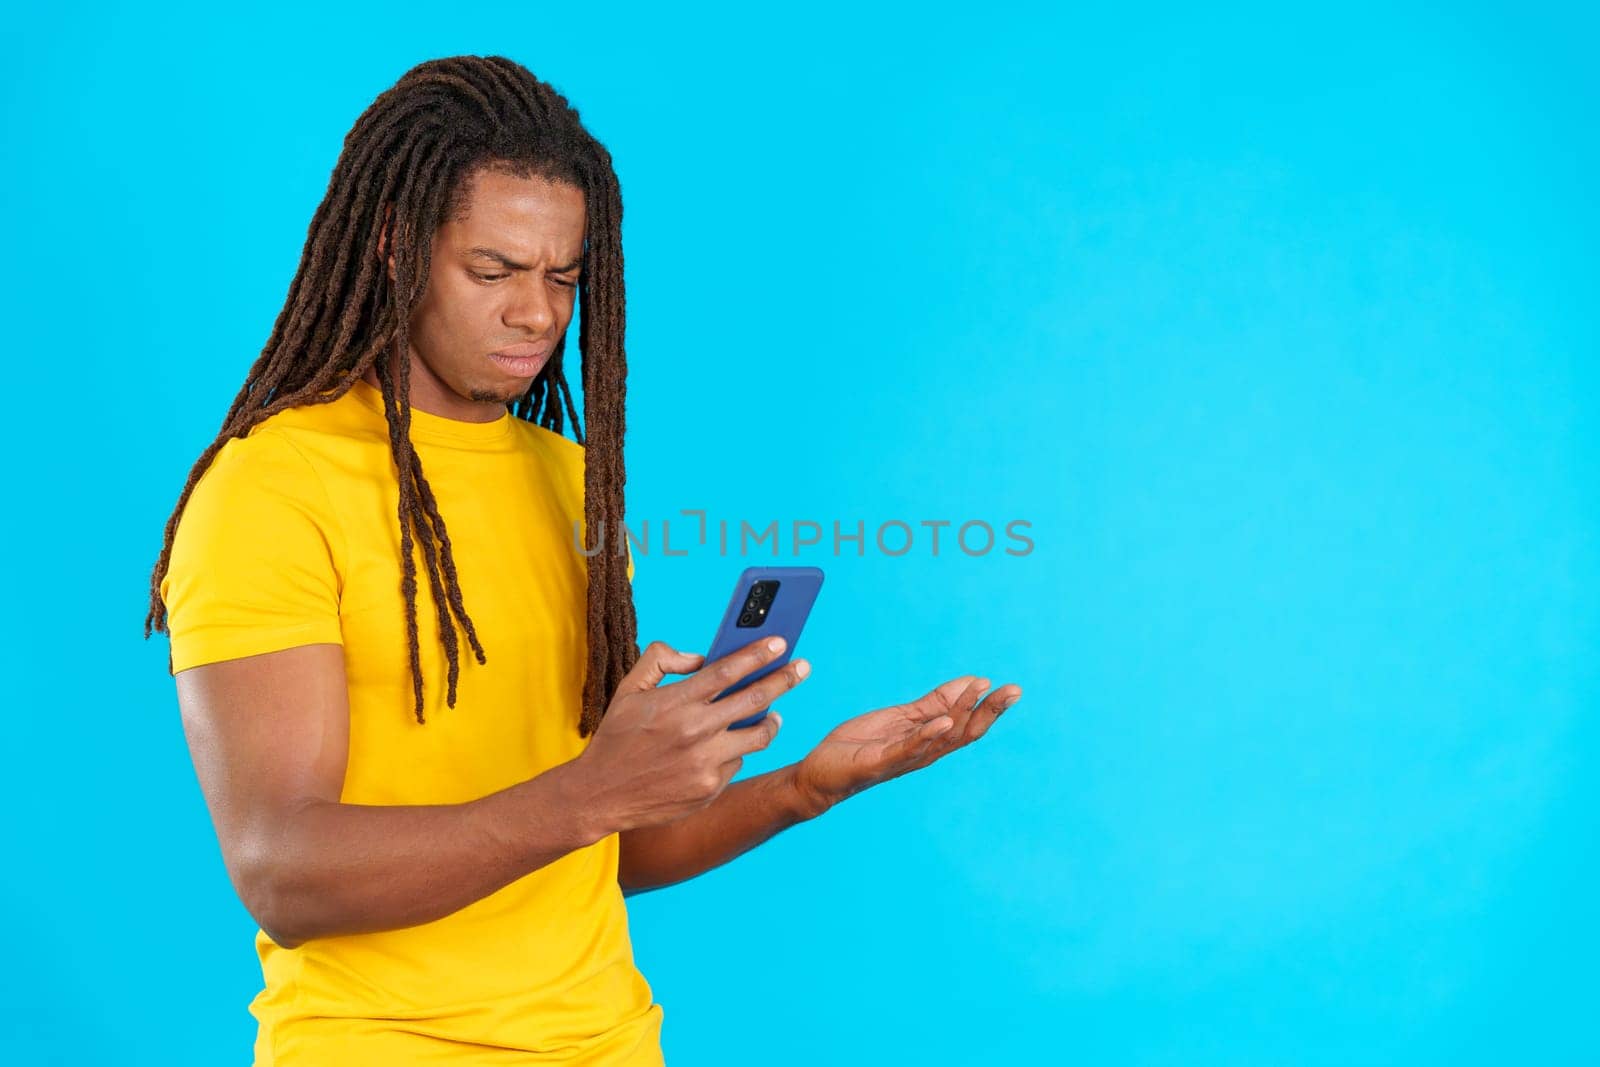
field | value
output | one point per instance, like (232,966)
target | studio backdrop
(1242,363)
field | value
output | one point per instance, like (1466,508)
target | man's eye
(489,277)
(569,285)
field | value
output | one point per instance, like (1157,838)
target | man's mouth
(524,360)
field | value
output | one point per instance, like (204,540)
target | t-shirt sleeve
(255,559)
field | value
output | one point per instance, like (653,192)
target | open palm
(889,742)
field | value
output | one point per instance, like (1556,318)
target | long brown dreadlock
(408,160)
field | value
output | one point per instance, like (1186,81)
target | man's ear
(383,238)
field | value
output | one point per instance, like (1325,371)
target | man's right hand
(663,751)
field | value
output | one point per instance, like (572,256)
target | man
(439,876)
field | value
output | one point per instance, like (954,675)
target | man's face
(503,275)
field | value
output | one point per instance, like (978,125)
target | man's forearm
(350,868)
(746,813)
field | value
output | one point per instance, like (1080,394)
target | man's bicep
(267,733)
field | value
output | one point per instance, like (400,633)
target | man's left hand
(891,741)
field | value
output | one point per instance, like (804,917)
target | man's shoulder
(312,447)
(265,451)
(258,479)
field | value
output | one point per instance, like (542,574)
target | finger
(987,712)
(960,709)
(741,743)
(944,697)
(758,696)
(717,675)
(657,661)
(729,769)
(934,744)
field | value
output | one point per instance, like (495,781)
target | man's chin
(502,395)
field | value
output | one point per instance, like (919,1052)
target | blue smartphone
(765,601)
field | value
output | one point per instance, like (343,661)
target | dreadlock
(407,161)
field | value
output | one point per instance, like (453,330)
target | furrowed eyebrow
(511,264)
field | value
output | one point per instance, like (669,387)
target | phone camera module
(758,602)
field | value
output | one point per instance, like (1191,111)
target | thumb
(658,660)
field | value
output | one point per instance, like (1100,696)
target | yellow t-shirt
(291,538)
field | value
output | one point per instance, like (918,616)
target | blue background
(1279,329)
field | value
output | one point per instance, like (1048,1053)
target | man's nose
(529,307)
